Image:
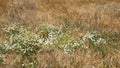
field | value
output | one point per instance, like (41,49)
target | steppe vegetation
(59,34)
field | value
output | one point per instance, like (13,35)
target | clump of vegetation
(27,43)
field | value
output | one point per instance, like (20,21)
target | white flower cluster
(12,29)
(71,46)
(52,36)
(95,38)
(25,42)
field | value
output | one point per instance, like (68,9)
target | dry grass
(82,16)
(80,59)
(52,11)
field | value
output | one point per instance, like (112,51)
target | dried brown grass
(80,59)
(30,12)
(92,14)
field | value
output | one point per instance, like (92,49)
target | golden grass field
(79,16)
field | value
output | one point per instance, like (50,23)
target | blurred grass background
(77,16)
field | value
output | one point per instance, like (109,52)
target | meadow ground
(59,34)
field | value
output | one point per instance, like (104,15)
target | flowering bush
(27,43)
(95,40)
